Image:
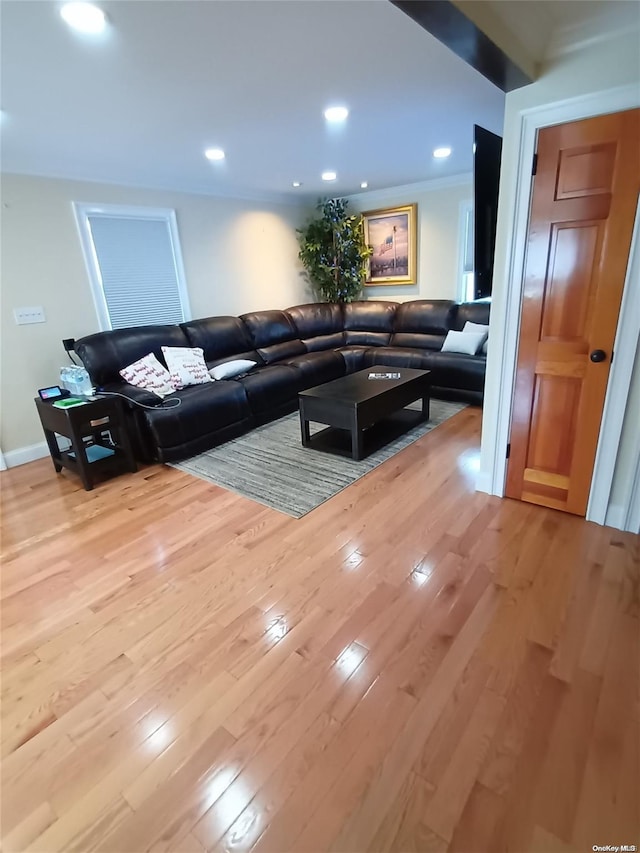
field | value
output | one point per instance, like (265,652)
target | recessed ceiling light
(214,154)
(336,113)
(84,17)
(364,185)
(296,184)
(329,176)
(441,153)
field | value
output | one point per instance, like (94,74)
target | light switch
(29,315)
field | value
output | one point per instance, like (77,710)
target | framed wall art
(392,235)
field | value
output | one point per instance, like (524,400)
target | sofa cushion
(316,318)
(368,324)
(221,338)
(324,342)
(106,353)
(414,340)
(202,410)
(369,316)
(318,367)
(398,357)
(281,351)
(353,357)
(367,339)
(423,323)
(472,312)
(455,370)
(426,316)
(271,387)
(267,328)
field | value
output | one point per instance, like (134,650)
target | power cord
(161,405)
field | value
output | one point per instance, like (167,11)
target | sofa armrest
(131,393)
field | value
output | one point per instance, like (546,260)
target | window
(466,278)
(134,264)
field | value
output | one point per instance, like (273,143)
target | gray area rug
(269,464)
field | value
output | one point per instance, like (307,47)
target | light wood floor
(412,666)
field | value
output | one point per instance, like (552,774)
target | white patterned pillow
(186,366)
(149,374)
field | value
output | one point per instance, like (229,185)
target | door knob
(598,355)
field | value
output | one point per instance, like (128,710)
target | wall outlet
(29,315)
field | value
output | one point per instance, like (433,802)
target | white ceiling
(550,27)
(169,79)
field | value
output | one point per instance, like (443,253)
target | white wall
(438,235)
(238,256)
(596,68)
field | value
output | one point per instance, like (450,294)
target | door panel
(573,251)
(583,204)
(586,171)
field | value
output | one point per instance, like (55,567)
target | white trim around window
(173,277)
(466,287)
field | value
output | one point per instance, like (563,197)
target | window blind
(137,267)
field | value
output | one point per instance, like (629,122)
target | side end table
(98,435)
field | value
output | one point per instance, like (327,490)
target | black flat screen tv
(487,150)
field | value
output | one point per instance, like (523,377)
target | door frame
(506,307)
(599,508)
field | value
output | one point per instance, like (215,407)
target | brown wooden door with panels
(585,194)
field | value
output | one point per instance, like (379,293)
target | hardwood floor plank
(439,747)
(518,718)
(478,825)
(332,812)
(366,818)
(514,830)
(563,770)
(456,782)
(30,828)
(411,666)
(402,828)
(597,811)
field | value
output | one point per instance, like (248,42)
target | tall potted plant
(334,252)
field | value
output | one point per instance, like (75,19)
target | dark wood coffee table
(356,403)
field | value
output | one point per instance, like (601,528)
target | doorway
(584,198)
(506,303)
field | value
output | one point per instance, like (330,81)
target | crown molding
(256,196)
(419,187)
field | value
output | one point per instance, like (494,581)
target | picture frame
(391,233)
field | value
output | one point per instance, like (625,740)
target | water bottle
(76,380)
(65,378)
(85,388)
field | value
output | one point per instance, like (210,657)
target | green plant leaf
(333,251)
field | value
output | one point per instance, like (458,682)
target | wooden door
(584,200)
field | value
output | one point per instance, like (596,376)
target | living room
(184,667)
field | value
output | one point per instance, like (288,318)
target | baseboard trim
(22,455)
(616,516)
(483,482)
